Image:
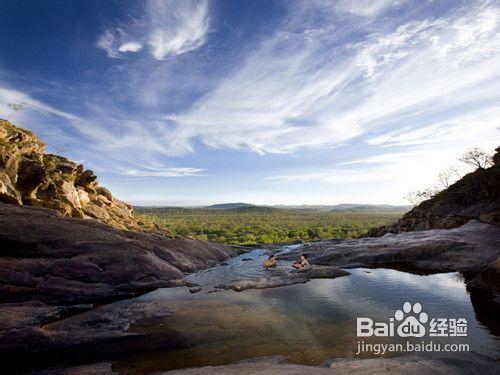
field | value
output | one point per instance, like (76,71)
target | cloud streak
(329,93)
(165,172)
(303,89)
(167,27)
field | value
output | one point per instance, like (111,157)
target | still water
(309,322)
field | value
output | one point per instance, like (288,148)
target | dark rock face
(54,269)
(489,277)
(62,260)
(102,368)
(320,272)
(469,248)
(475,196)
(30,176)
(47,334)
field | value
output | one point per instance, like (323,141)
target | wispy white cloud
(469,128)
(408,93)
(304,89)
(116,42)
(365,8)
(130,47)
(168,28)
(8,95)
(165,172)
(176,27)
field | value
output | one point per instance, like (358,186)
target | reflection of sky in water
(312,321)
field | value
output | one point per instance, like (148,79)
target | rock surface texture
(473,248)
(475,196)
(410,364)
(57,259)
(30,176)
(56,270)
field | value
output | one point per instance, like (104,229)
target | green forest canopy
(265,225)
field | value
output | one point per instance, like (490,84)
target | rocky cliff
(30,176)
(475,196)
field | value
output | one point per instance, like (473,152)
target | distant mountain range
(337,207)
(347,207)
(230,206)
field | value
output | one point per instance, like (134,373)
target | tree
(477,158)
(15,107)
(448,177)
(413,198)
(418,196)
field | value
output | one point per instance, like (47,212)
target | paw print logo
(411,325)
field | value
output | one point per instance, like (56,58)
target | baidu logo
(411,321)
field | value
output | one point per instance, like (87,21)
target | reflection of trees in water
(487,308)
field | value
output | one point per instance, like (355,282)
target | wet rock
(282,276)
(262,283)
(320,272)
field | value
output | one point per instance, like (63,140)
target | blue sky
(286,102)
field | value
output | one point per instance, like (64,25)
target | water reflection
(306,322)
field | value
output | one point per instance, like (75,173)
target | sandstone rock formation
(30,176)
(475,196)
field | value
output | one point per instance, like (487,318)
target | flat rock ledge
(285,278)
(473,248)
(47,257)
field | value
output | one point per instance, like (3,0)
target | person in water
(302,262)
(270,262)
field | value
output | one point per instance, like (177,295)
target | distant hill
(368,207)
(346,207)
(229,206)
(254,208)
